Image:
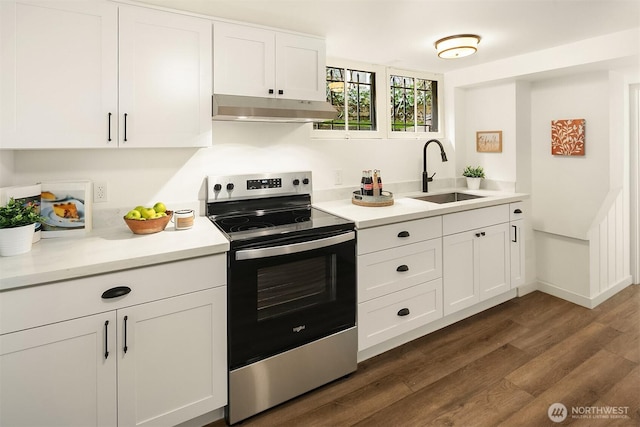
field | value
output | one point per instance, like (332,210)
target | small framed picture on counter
(66,208)
(489,141)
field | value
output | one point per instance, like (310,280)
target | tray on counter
(384,199)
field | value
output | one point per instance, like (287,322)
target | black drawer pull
(280,92)
(403,312)
(106,339)
(116,292)
(270,91)
(482,233)
(517,211)
(125,348)
(109,136)
(402,267)
(403,234)
(125,127)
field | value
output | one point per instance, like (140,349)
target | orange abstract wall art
(567,137)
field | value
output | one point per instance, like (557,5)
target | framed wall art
(489,141)
(66,208)
(568,137)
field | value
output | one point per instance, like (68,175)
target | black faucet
(426,179)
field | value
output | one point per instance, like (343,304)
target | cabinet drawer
(516,211)
(475,218)
(40,305)
(402,233)
(391,270)
(381,319)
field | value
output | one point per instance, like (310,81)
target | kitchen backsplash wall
(177,176)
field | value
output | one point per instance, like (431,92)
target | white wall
(177,176)
(489,108)
(568,190)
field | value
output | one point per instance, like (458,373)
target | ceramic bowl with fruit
(145,220)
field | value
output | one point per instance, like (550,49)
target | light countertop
(108,250)
(405,208)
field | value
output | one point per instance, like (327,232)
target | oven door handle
(294,247)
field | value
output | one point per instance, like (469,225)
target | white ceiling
(401,33)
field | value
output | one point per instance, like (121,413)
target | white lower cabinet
(381,319)
(154,356)
(170,360)
(475,267)
(476,261)
(58,375)
(399,279)
(415,272)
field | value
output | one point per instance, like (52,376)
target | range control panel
(256,184)
(238,187)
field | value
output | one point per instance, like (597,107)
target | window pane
(426,95)
(335,96)
(413,105)
(359,99)
(402,104)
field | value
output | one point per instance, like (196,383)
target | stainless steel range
(291,286)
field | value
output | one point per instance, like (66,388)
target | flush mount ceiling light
(457,46)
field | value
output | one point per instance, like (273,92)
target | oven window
(285,288)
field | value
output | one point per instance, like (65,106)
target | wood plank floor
(502,367)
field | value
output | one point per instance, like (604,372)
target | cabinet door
(492,258)
(475,266)
(165,79)
(172,359)
(517,254)
(460,271)
(300,67)
(58,375)
(59,75)
(244,60)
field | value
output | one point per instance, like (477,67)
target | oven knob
(305,181)
(217,187)
(296,181)
(230,186)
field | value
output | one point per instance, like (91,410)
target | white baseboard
(587,302)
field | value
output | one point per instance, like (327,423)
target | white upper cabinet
(165,79)
(71,71)
(251,61)
(59,79)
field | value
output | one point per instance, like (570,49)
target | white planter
(17,240)
(473,183)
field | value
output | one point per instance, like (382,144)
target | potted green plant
(17,225)
(473,175)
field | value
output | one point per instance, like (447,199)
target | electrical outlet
(99,192)
(337,177)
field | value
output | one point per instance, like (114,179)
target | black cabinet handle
(402,267)
(280,92)
(106,339)
(515,234)
(517,211)
(116,292)
(477,234)
(482,233)
(125,127)
(125,348)
(270,91)
(109,136)
(403,234)
(403,312)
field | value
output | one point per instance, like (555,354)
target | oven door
(289,293)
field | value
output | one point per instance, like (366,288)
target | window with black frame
(414,104)
(352,92)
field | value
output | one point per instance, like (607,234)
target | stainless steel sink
(447,197)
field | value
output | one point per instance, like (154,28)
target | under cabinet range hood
(251,108)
